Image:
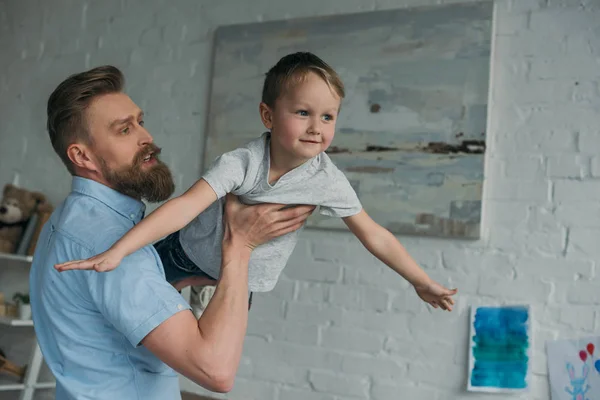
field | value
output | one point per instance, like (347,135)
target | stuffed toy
(17,206)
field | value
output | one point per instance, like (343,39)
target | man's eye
(125,131)
(141,123)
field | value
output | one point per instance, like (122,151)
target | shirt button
(179,307)
(132,216)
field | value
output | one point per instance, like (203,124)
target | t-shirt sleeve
(228,171)
(135,297)
(342,200)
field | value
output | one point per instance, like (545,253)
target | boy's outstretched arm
(384,245)
(168,218)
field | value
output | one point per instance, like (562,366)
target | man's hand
(251,226)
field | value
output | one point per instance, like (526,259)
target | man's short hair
(68,103)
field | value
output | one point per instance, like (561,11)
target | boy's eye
(303,113)
(328,117)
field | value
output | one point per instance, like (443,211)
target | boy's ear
(266,115)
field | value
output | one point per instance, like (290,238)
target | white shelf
(44,385)
(16,257)
(7,387)
(15,321)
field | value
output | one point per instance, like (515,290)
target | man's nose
(146,137)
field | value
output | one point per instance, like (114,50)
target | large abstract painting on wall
(412,130)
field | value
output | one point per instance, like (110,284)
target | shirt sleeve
(228,171)
(342,201)
(135,297)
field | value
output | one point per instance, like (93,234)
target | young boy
(287,165)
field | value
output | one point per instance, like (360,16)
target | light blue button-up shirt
(89,325)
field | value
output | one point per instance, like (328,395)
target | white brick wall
(340,326)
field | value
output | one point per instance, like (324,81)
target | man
(109,336)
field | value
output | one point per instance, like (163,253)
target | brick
(360,298)
(442,375)
(583,243)
(318,314)
(498,264)
(522,290)
(516,190)
(419,347)
(287,393)
(407,301)
(378,275)
(567,166)
(386,390)
(284,290)
(266,307)
(354,341)
(525,6)
(543,218)
(546,243)
(524,168)
(557,268)
(388,322)
(300,333)
(512,24)
(251,389)
(507,214)
(581,215)
(584,293)
(313,293)
(589,140)
(571,20)
(564,68)
(329,382)
(578,317)
(317,271)
(280,373)
(586,93)
(527,140)
(572,191)
(375,367)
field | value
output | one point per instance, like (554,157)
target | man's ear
(81,157)
(266,115)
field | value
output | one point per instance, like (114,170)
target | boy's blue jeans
(177,264)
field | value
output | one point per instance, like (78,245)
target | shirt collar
(128,207)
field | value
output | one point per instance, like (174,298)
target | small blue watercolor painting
(500,349)
(574,368)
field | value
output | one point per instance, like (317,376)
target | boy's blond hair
(293,69)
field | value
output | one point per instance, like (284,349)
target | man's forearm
(223,323)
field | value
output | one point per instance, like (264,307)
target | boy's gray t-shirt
(244,172)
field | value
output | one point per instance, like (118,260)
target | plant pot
(24,311)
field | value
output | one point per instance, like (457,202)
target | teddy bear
(17,206)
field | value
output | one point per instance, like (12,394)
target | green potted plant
(22,301)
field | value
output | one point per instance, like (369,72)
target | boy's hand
(436,295)
(103,262)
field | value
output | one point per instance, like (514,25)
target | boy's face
(303,121)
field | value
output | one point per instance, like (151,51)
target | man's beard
(155,184)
